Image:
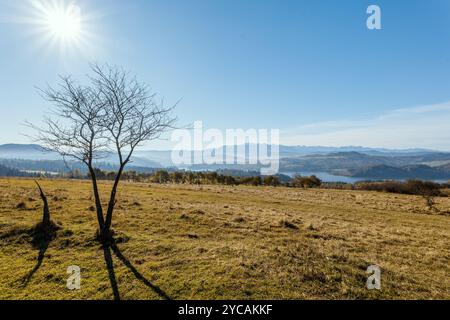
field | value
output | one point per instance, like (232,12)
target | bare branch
(113,112)
(131,114)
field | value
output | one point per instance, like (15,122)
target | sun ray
(64,26)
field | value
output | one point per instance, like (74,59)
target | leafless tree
(112,113)
(46,221)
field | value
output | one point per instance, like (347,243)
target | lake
(327,177)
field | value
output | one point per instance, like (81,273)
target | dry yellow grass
(217,242)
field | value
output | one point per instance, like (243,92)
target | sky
(309,68)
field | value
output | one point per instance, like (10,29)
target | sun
(63,23)
(68,28)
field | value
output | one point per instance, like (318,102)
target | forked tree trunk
(112,201)
(98,203)
(46,212)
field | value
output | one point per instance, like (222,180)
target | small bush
(288,224)
(273,181)
(412,187)
(337,186)
(307,182)
(22,206)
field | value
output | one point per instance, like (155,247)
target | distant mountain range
(36,152)
(418,164)
(361,162)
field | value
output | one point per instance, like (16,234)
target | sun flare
(69,28)
(64,23)
(66,26)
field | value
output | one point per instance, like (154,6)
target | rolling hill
(370,163)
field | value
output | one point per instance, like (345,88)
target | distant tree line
(237,177)
(203,178)
(9,172)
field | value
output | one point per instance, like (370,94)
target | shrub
(22,206)
(307,182)
(288,224)
(273,181)
(252,181)
(412,187)
(161,176)
(337,185)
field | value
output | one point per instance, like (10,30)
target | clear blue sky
(310,68)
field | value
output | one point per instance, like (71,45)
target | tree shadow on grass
(15,234)
(42,235)
(112,277)
(111,273)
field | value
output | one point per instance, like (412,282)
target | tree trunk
(112,200)
(46,212)
(98,203)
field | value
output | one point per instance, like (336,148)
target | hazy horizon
(145,149)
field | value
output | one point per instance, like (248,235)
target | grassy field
(218,242)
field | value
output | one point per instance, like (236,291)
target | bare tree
(46,221)
(113,113)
